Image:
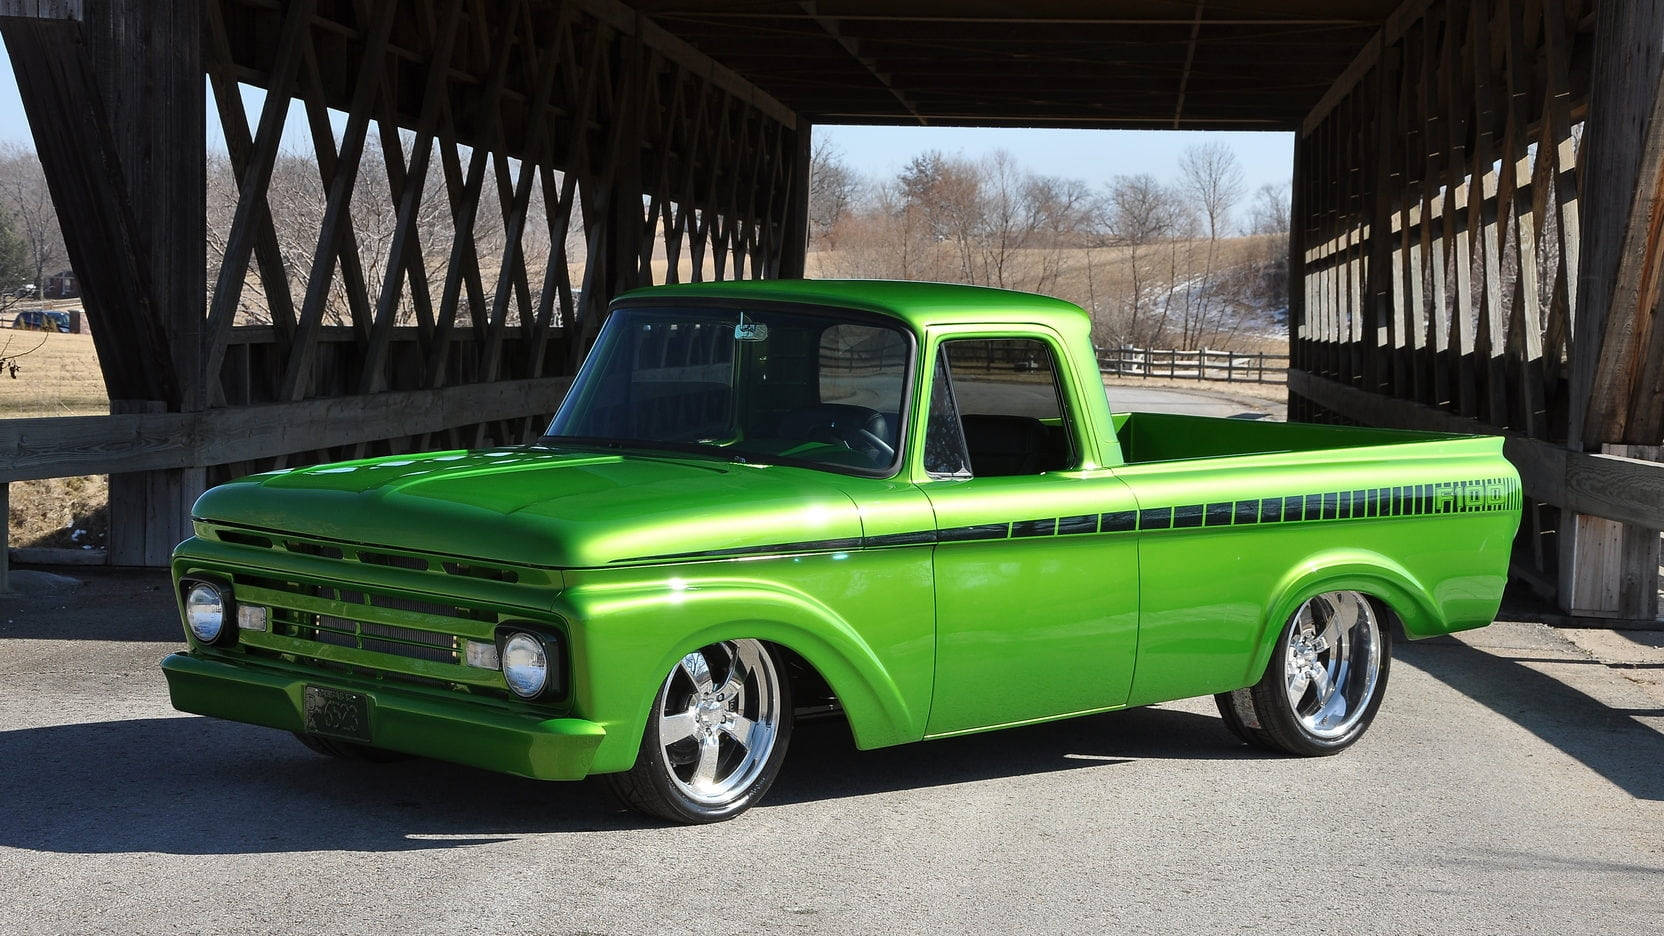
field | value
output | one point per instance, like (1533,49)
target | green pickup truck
(759,500)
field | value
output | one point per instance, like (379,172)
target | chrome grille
(378,638)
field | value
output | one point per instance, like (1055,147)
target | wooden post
(150,511)
(1621,251)
(1610,568)
(794,238)
(1605,568)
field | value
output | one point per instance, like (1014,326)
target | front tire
(1325,681)
(716,736)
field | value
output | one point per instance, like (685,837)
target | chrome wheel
(719,719)
(1333,662)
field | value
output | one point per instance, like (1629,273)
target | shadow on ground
(1607,740)
(190,785)
(95,604)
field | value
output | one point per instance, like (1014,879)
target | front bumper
(409,721)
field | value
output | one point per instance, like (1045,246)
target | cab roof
(919,304)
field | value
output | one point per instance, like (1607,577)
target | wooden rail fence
(1203,364)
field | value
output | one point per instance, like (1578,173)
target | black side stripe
(1485,495)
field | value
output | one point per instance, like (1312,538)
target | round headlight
(204,612)
(525,665)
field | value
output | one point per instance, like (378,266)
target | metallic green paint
(1161,565)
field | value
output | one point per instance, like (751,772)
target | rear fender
(1357,570)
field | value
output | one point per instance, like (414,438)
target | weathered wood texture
(1447,201)
(137,442)
(1618,487)
(628,155)
(572,118)
(42,9)
(115,103)
(1617,370)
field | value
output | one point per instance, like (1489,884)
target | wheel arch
(871,694)
(1384,582)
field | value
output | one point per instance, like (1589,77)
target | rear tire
(716,736)
(1324,684)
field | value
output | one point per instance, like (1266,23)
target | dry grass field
(57,375)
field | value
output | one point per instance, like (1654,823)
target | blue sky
(1095,156)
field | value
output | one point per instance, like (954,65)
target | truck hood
(552,508)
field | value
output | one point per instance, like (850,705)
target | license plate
(336,713)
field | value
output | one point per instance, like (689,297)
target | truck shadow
(825,764)
(195,786)
(1607,740)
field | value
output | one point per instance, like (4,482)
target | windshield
(756,384)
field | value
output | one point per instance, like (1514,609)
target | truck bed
(1161,437)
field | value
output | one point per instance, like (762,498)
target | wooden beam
(829,25)
(337,227)
(64,99)
(404,251)
(1397,24)
(65,446)
(1629,490)
(794,234)
(1621,262)
(463,266)
(252,220)
(1189,62)
(630,22)
(42,9)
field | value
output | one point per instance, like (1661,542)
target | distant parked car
(41,320)
(26,292)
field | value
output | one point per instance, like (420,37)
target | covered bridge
(1476,210)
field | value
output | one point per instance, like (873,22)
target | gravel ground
(1512,784)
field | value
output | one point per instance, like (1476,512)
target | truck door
(1036,562)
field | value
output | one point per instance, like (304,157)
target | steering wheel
(841,424)
(854,436)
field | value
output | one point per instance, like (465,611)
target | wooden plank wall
(655,159)
(1438,234)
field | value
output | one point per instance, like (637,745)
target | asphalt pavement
(1511,784)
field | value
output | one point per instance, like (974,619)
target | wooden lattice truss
(640,161)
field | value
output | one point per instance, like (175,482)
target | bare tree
(1008,218)
(1063,212)
(25,196)
(1211,176)
(1268,214)
(950,196)
(833,186)
(1140,213)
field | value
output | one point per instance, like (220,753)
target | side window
(944,439)
(1010,405)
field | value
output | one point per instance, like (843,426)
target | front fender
(626,640)
(1357,570)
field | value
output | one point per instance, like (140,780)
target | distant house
(62,286)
